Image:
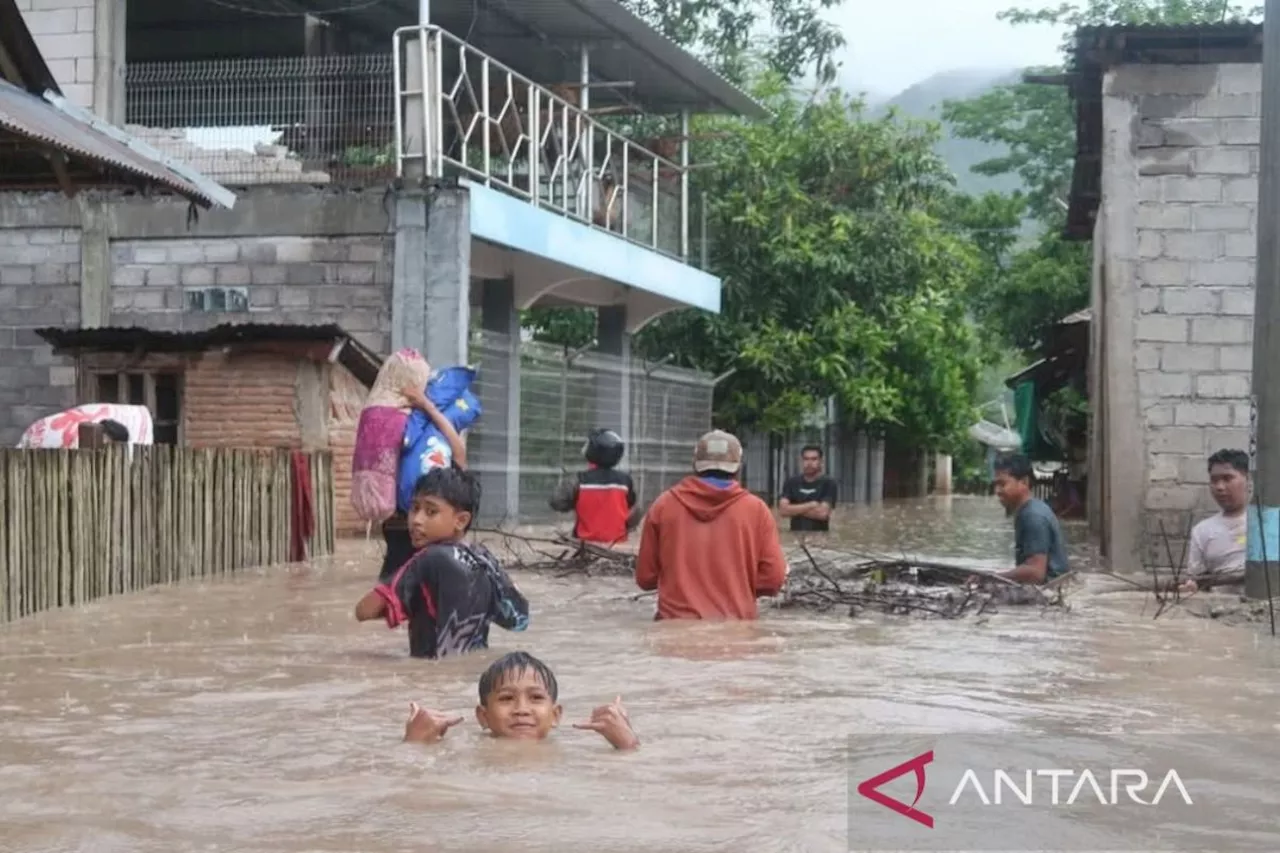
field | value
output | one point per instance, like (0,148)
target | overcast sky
(893,45)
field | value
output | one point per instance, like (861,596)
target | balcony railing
(461,112)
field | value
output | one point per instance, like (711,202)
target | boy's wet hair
(455,486)
(1016,465)
(512,665)
(1237,459)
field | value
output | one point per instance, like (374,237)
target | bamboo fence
(78,525)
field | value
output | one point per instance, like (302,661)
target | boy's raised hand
(611,722)
(425,726)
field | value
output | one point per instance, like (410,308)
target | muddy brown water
(252,714)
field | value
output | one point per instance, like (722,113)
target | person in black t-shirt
(808,498)
(449,591)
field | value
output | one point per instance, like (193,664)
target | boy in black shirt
(449,591)
(807,499)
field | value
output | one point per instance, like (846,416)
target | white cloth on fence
(63,429)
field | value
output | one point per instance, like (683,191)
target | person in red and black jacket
(449,591)
(602,497)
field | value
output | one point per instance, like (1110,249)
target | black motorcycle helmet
(604,448)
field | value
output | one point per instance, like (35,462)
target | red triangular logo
(868,788)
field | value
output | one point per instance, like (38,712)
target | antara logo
(1082,785)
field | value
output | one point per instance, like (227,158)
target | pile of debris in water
(562,555)
(829,580)
(821,579)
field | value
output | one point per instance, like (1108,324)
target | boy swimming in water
(448,591)
(518,699)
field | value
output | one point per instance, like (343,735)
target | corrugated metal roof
(519,33)
(362,362)
(43,122)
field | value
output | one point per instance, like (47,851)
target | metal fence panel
(316,120)
(562,397)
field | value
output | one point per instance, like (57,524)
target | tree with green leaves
(787,37)
(1035,125)
(839,279)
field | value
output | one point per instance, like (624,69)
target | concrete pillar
(942,474)
(613,389)
(861,467)
(95,262)
(922,473)
(109,60)
(501,423)
(431,284)
(875,478)
(325,103)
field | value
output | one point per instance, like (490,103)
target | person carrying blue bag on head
(432,439)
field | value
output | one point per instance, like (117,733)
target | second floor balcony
(573,106)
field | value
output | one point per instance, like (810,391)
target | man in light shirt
(1216,556)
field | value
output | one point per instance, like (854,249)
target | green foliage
(574,328)
(796,39)
(840,280)
(1037,126)
(1098,13)
(1034,287)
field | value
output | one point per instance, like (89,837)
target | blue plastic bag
(425,446)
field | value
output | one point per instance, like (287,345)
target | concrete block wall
(339,279)
(39,286)
(64,32)
(304,256)
(1196,154)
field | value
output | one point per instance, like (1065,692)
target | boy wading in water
(518,700)
(449,591)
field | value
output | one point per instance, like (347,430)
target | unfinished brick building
(251,385)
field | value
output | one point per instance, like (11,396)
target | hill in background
(924,101)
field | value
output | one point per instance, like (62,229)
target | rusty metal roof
(47,122)
(362,362)
(33,109)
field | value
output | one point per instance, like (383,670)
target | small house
(247,385)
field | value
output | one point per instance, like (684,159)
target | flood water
(253,714)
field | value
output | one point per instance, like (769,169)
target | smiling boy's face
(520,707)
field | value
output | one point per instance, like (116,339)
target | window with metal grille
(159,391)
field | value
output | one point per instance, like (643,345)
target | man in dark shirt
(808,498)
(1039,549)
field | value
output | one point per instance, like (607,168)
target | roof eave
(209,192)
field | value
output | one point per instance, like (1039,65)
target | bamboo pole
(63,529)
(22,504)
(6,600)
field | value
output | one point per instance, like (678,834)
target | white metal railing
(459,111)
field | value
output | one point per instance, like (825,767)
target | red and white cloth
(63,429)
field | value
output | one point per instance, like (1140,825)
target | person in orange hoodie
(708,546)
